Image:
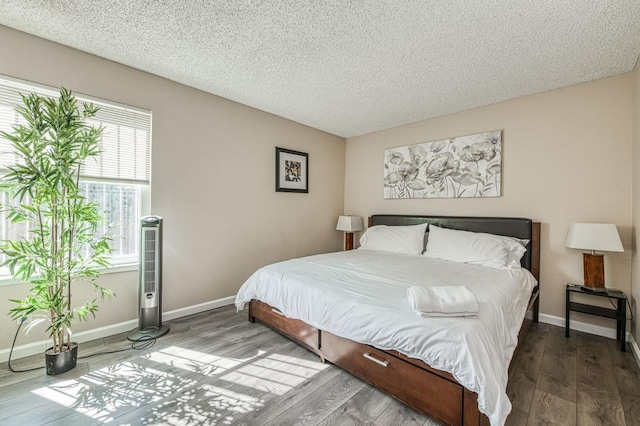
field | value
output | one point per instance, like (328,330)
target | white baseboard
(109,330)
(581,326)
(196,309)
(593,329)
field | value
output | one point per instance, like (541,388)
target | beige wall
(212,180)
(635,287)
(566,158)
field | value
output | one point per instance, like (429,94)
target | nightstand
(619,314)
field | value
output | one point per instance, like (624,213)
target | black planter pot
(58,363)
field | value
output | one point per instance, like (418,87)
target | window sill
(122,267)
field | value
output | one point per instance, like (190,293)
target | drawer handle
(368,356)
(275,311)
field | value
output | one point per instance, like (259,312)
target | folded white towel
(449,300)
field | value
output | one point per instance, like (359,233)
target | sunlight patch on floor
(101,393)
(203,405)
(196,388)
(275,373)
(194,361)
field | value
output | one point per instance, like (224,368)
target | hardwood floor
(583,380)
(216,368)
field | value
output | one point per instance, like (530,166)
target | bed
(364,326)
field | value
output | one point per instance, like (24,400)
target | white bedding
(361,295)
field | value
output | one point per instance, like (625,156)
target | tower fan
(150,281)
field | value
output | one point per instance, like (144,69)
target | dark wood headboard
(507,226)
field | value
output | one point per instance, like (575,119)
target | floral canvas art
(461,167)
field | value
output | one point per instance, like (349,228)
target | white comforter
(362,295)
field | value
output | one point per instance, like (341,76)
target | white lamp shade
(349,224)
(594,236)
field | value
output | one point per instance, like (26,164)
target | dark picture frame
(292,171)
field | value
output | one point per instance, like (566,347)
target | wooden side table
(619,314)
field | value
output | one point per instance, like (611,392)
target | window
(118,180)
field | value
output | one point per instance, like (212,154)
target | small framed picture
(292,171)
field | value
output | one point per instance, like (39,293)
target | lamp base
(593,271)
(348,240)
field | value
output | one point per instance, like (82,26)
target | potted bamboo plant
(63,245)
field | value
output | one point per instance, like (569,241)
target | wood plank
(593,364)
(624,363)
(320,403)
(524,374)
(363,408)
(517,418)
(557,374)
(22,403)
(531,352)
(629,390)
(401,415)
(598,407)
(520,390)
(558,343)
(280,407)
(627,375)
(547,409)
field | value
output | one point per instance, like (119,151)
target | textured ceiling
(350,67)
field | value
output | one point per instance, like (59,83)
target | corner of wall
(635,202)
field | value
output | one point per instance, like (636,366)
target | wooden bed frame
(432,392)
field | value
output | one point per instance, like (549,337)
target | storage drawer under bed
(304,334)
(433,394)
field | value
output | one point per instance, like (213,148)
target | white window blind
(126,139)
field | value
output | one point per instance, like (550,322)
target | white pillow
(395,239)
(476,248)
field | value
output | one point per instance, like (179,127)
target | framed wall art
(460,167)
(292,171)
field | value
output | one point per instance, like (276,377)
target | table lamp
(349,225)
(594,237)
